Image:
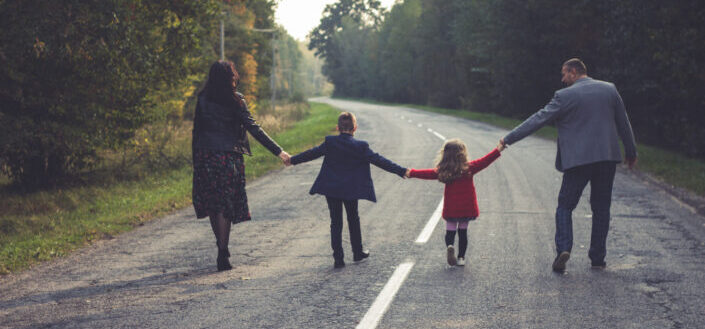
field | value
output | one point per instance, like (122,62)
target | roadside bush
(83,75)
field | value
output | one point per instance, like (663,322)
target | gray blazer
(590,117)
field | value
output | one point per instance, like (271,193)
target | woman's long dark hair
(222,83)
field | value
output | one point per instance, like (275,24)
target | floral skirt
(219,185)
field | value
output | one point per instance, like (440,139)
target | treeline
(81,77)
(504,56)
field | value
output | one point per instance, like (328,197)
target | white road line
(430,225)
(419,125)
(429,130)
(439,135)
(381,304)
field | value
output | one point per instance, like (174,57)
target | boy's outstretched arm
(384,163)
(308,155)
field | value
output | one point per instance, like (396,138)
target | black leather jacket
(223,128)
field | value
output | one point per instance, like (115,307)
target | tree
(78,77)
(339,24)
(363,12)
(248,49)
(397,75)
(504,56)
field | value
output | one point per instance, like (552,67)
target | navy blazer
(345,173)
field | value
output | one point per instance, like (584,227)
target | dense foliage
(504,56)
(80,77)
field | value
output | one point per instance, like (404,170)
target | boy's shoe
(559,262)
(461,261)
(339,264)
(451,256)
(599,265)
(362,256)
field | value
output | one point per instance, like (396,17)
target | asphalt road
(162,275)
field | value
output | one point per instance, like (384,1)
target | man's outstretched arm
(534,122)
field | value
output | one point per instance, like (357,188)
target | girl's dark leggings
(462,240)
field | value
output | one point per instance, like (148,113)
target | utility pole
(222,37)
(274,37)
(272,76)
(272,73)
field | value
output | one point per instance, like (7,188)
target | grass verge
(670,167)
(47,224)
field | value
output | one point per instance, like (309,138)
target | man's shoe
(461,261)
(451,256)
(361,256)
(559,262)
(339,264)
(599,265)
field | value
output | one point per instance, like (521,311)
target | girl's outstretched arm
(476,166)
(431,173)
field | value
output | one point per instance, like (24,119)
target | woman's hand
(286,158)
(408,173)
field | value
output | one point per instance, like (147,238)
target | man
(590,117)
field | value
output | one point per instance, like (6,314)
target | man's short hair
(577,64)
(346,122)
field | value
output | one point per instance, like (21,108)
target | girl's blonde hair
(452,161)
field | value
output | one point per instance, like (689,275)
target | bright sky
(300,16)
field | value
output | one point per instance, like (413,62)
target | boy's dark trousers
(335,206)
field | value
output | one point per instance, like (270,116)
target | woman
(219,142)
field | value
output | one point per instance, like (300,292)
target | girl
(459,199)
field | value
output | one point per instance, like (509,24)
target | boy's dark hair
(346,122)
(577,65)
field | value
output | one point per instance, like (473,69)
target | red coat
(459,198)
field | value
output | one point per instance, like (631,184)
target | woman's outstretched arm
(256,131)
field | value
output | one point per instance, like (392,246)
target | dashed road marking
(439,135)
(430,225)
(381,304)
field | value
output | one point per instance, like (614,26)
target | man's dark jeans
(335,206)
(601,177)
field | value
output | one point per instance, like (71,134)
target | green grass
(306,133)
(670,167)
(43,225)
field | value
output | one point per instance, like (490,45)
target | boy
(345,178)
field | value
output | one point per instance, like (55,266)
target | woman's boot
(223,262)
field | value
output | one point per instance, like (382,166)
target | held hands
(501,146)
(286,158)
(407,174)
